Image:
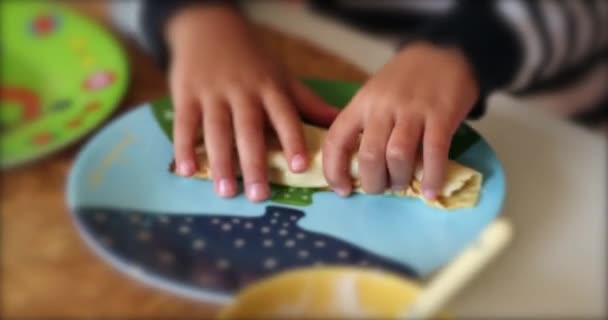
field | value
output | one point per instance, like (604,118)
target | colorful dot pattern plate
(177,234)
(61,76)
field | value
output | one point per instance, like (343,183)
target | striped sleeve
(514,45)
(554,36)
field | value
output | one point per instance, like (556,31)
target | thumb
(311,106)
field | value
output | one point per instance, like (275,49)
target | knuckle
(441,125)
(371,156)
(240,92)
(440,119)
(444,104)
(264,79)
(333,145)
(361,98)
(246,106)
(438,145)
(401,175)
(269,85)
(398,154)
(332,178)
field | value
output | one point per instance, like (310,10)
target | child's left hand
(421,95)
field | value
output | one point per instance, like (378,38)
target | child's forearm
(147,20)
(218,26)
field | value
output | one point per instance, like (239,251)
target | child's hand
(420,96)
(222,80)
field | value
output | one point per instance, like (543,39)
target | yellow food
(325,292)
(461,188)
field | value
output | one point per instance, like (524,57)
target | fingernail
(226,188)
(429,194)
(298,163)
(257,191)
(343,192)
(398,188)
(185,168)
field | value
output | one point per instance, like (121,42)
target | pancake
(461,188)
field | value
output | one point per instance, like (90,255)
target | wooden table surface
(46,270)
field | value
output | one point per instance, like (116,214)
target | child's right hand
(222,80)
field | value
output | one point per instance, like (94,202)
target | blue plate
(175,233)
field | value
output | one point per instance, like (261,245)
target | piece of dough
(461,188)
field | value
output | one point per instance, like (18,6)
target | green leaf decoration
(292,196)
(163,113)
(336,93)
(463,139)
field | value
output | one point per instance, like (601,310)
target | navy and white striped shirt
(513,45)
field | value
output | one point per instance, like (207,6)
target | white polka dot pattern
(218,252)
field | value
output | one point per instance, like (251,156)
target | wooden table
(46,270)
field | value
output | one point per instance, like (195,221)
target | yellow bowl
(325,292)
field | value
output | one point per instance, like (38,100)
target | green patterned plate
(61,76)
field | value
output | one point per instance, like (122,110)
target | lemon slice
(325,292)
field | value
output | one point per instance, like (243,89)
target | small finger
(248,119)
(401,152)
(340,144)
(286,122)
(372,154)
(435,147)
(186,130)
(219,146)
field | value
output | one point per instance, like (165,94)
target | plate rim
(202,294)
